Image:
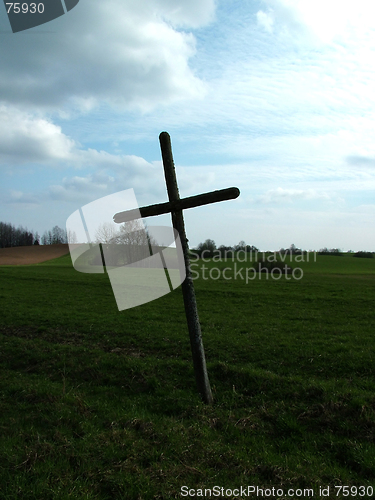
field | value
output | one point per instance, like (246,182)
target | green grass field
(101,404)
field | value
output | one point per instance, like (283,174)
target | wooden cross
(175,206)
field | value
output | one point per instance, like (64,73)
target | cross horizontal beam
(181,204)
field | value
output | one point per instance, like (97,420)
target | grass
(101,404)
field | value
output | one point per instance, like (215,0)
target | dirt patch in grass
(31,254)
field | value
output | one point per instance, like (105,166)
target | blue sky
(275,97)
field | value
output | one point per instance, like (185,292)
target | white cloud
(82,189)
(193,14)
(361,161)
(325,19)
(121,52)
(17,197)
(266,20)
(281,195)
(25,138)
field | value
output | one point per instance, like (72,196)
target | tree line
(209,249)
(10,236)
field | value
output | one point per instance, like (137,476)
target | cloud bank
(128,54)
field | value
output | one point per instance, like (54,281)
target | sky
(275,97)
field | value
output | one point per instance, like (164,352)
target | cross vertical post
(191,310)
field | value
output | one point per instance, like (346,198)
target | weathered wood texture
(180,204)
(188,293)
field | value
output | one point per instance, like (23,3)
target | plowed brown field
(31,255)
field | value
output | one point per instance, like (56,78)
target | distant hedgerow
(332,251)
(366,255)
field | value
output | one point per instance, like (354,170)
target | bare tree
(72,237)
(134,241)
(55,236)
(124,244)
(106,233)
(58,235)
(46,238)
(36,238)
